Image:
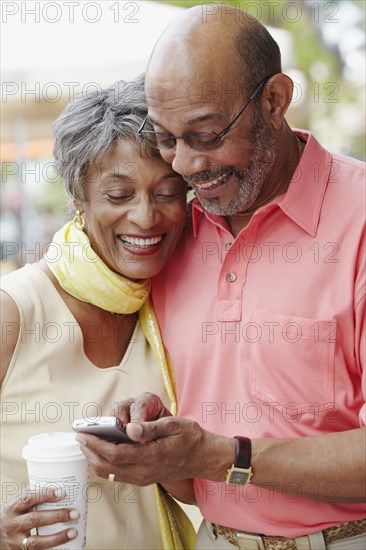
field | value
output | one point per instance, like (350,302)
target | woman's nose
(144,214)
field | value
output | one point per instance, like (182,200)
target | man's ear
(276,98)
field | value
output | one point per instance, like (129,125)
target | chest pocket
(293,360)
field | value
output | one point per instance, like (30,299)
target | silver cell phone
(109,428)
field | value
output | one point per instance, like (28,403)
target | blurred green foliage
(297,20)
(53,198)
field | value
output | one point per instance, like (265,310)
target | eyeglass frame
(218,136)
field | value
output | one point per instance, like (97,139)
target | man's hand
(167,449)
(145,406)
(171,448)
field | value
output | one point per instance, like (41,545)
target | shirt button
(231,277)
(227,246)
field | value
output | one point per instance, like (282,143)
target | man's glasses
(200,141)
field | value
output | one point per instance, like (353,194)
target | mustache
(208,175)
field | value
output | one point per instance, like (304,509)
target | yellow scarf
(83,274)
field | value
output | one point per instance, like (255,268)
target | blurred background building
(52,50)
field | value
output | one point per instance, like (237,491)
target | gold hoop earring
(79,220)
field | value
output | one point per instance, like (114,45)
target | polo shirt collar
(304,198)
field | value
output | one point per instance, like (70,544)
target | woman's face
(134,210)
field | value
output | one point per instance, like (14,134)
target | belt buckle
(250,542)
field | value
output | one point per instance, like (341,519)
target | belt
(331,534)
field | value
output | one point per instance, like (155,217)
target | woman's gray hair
(89,126)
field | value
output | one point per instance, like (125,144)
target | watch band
(243,454)
(241,472)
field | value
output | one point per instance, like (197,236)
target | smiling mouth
(140,242)
(212,184)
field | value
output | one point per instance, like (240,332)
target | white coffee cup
(55,460)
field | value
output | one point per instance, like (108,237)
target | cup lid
(53,445)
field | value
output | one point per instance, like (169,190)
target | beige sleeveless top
(50,383)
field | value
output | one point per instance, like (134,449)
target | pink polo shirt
(266,332)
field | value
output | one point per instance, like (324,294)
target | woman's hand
(18,517)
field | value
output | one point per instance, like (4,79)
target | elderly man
(262,306)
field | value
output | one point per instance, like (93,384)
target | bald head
(213,44)
(218,104)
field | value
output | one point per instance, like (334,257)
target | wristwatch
(240,472)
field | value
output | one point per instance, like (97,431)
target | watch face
(239,476)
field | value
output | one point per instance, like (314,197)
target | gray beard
(250,180)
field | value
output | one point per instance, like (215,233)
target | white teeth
(215,182)
(140,242)
(208,185)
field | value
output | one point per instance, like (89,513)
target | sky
(81,42)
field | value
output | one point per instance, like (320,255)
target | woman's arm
(10,327)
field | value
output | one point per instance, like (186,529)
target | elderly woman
(73,341)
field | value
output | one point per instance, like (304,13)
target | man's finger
(148,431)
(94,447)
(96,444)
(146,406)
(122,410)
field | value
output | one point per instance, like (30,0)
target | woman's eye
(171,194)
(116,198)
